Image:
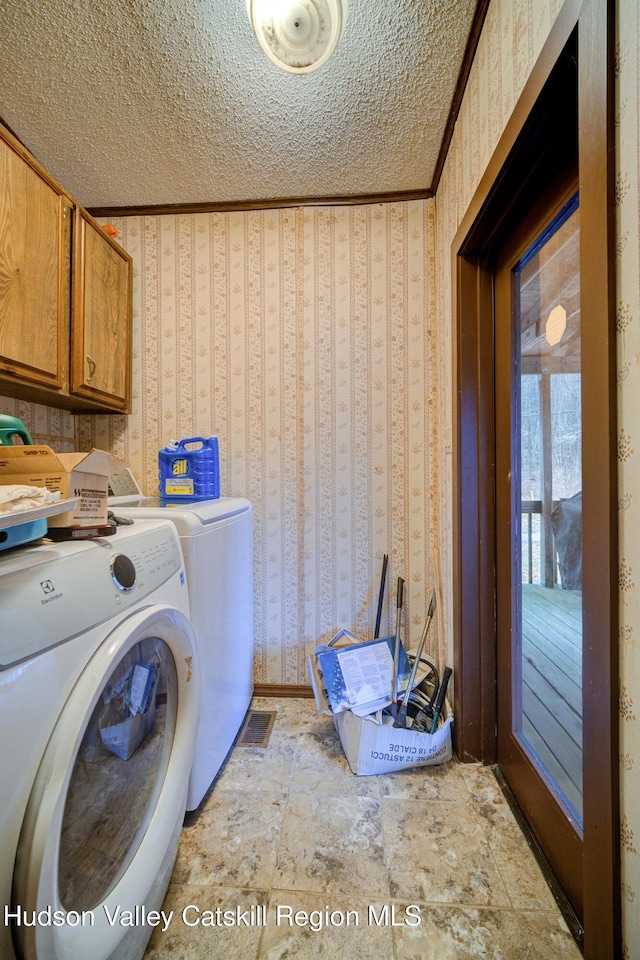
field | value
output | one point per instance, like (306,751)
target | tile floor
(291,829)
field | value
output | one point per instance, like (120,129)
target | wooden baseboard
(282,690)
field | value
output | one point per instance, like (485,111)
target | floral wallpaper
(298,337)
(48,425)
(628,336)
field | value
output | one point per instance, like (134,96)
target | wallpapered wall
(56,428)
(316,343)
(298,337)
(628,334)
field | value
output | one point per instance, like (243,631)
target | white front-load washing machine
(99,705)
(217,541)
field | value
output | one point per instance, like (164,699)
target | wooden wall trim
(461,85)
(240,205)
(283,690)
(474,528)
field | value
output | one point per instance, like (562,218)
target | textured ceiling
(160,102)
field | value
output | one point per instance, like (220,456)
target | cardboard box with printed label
(371,744)
(80,476)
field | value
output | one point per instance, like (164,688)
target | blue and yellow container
(189,469)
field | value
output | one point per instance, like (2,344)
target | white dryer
(217,541)
(99,703)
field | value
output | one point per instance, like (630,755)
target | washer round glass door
(105,813)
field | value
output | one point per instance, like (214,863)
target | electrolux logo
(49,590)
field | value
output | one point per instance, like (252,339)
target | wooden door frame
(546,815)
(533,137)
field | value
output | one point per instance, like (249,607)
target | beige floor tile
(320,766)
(460,933)
(258,768)
(517,865)
(437,851)
(481,783)
(188,939)
(328,928)
(441,782)
(296,715)
(548,935)
(332,845)
(233,842)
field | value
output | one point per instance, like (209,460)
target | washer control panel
(54,592)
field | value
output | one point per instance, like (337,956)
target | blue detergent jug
(189,469)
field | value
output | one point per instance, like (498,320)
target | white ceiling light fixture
(298,36)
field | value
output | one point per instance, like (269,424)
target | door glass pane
(547,548)
(117,775)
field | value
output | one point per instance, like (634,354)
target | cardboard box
(373,745)
(81,476)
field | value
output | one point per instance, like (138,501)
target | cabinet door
(35,235)
(101,317)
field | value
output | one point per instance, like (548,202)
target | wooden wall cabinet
(35,248)
(65,295)
(101,316)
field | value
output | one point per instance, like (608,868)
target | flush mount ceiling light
(298,36)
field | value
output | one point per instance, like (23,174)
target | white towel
(15,498)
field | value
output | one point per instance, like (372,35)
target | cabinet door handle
(92,368)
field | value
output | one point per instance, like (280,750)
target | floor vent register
(256,729)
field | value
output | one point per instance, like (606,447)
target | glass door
(539,536)
(549,466)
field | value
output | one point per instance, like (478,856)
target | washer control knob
(123,572)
